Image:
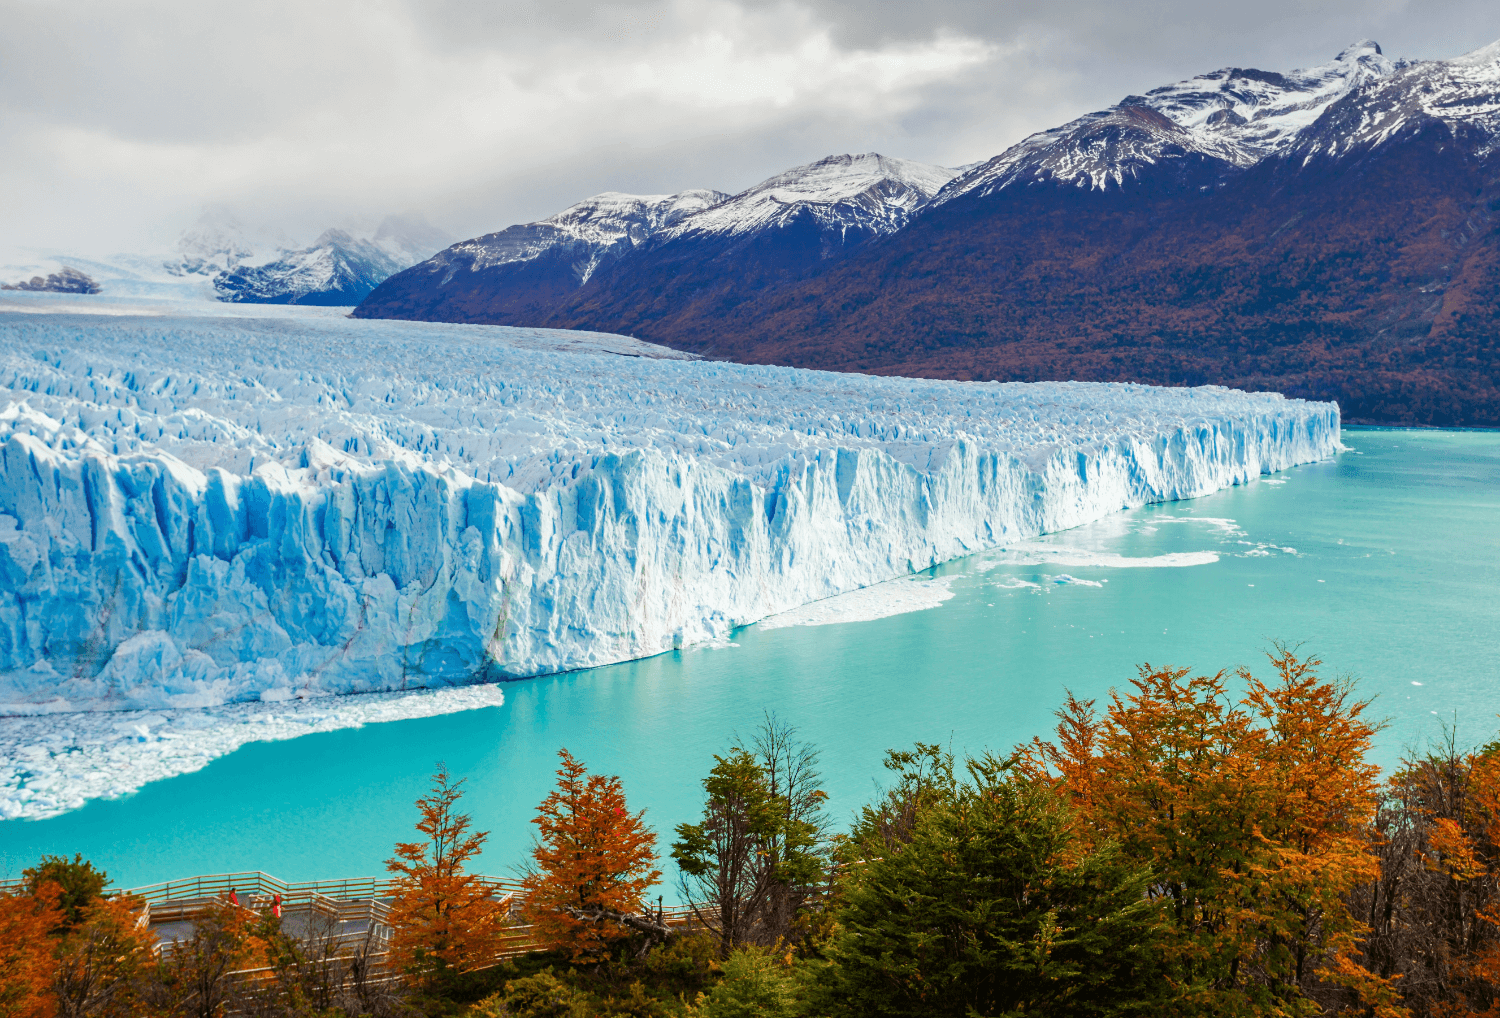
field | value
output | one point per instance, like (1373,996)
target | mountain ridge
(1326,232)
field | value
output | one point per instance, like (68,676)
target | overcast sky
(121,121)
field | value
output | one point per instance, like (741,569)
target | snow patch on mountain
(869,194)
(1462,93)
(196,511)
(591,233)
(1236,116)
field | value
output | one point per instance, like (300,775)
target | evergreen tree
(989,905)
(78,883)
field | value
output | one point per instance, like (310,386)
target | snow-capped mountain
(861,195)
(594,232)
(339,269)
(1461,96)
(521,271)
(1232,117)
(781,225)
(1327,231)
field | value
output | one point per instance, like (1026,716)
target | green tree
(987,904)
(747,846)
(756,984)
(795,850)
(79,883)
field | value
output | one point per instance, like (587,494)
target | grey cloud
(119,118)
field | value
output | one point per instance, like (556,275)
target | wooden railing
(351,900)
(256,883)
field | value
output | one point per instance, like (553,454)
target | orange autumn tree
(1251,814)
(101,959)
(1464,848)
(444,920)
(27,965)
(593,856)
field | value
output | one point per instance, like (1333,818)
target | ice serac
(196,511)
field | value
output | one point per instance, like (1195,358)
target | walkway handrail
(344,899)
(258,882)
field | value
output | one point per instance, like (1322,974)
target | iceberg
(198,509)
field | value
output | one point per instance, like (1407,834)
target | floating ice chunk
(1039,554)
(883,600)
(51,764)
(1065,579)
(1229,528)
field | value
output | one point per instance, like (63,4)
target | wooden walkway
(357,910)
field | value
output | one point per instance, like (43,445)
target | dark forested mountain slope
(664,251)
(1328,233)
(521,274)
(1372,279)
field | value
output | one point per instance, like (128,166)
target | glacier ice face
(199,510)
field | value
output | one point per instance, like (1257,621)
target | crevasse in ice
(199,510)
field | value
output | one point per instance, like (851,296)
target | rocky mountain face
(613,247)
(65,280)
(527,271)
(1329,233)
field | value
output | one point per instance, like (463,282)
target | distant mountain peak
(589,234)
(340,268)
(868,192)
(1462,94)
(1234,116)
(1359,50)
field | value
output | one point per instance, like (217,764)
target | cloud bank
(120,121)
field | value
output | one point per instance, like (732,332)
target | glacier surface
(200,510)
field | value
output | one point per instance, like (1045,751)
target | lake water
(1384,562)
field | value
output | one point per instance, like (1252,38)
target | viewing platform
(347,916)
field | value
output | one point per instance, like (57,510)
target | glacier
(201,509)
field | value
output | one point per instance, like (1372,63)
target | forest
(1194,844)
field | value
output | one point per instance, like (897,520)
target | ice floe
(883,600)
(53,763)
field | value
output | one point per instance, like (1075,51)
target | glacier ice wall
(199,510)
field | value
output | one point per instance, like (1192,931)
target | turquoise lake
(1385,562)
